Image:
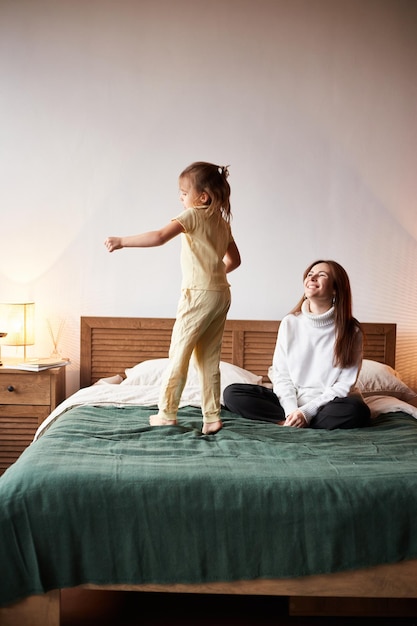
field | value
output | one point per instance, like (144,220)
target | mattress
(101,497)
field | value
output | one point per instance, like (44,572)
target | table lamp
(18,322)
(1,337)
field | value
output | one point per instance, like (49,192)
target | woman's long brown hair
(347,326)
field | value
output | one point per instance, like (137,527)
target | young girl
(316,362)
(208,253)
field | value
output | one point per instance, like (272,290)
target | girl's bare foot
(156,420)
(212,427)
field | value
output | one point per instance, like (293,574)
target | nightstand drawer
(18,388)
(26,399)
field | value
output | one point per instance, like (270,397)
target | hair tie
(224,170)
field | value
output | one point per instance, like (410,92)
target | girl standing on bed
(208,253)
(316,362)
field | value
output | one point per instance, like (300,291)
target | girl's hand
(113,243)
(296,419)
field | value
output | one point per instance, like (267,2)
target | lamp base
(1,337)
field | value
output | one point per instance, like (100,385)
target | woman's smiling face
(318,284)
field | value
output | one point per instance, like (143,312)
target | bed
(102,500)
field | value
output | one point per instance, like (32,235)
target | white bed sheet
(116,395)
(147,395)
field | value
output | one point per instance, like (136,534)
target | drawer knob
(10,388)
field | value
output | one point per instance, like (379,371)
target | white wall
(103,102)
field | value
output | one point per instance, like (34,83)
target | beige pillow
(380,379)
(388,404)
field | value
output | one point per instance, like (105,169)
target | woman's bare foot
(212,427)
(156,420)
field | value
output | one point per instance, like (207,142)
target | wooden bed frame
(108,346)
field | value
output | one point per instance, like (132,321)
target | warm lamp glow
(18,321)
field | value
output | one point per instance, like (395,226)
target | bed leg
(43,610)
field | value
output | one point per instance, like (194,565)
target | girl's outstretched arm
(145,240)
(232,257)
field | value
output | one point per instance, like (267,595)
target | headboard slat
(111,344)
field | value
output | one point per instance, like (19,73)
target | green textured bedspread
(104,498)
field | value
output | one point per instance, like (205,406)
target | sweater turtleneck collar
(322,319)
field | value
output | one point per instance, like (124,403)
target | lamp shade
(18,321)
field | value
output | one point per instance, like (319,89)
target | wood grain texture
(109,345)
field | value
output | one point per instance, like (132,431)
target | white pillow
(230,374)
(380,379)
(151,372)
(146,373)
(389,404)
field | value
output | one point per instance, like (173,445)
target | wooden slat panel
(380,342)
(16,435)
(116,351)
(110,345)
(259,350)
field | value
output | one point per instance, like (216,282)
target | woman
(316,361)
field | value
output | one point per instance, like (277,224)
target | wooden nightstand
(26,399)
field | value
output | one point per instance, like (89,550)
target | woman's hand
(296,419)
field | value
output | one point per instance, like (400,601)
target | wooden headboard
(111,344)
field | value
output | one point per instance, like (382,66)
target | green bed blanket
(104,498)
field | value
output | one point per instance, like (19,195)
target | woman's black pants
(256,402)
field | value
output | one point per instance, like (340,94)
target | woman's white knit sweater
(303,374)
